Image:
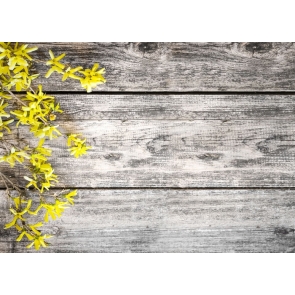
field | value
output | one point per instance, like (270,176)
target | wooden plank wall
(193,149)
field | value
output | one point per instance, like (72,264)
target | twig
(12,94)
(5,179)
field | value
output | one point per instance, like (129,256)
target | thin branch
(4,181)
(32,89)
(12,94)
(10,182)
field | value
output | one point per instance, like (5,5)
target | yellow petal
(30,245)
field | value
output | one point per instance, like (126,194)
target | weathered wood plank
(161,153)
(178,66)
(169,221)
(175,107)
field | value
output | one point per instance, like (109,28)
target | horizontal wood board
(168,221)
(178,153)
(175,107)
(177,66)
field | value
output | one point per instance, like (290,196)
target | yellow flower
(42,150)
(60,207)
(69,73)
(23,51)
(56,108)
(18,215)
(55,60)
(93,77)
(39,241)
(18,201)
(79,150)
(3,125)
(4,69)
(33,227)
(45,131)
(70,196)
(5,52)
(54,210)
(39,96)
(24,232)
(17,60)
(73,138)
(52,70)
(32,182)
(49,211)
(4,45)
(13,156)
(2,111)
(94,71)
(56,66)
(4,95)
(37,159)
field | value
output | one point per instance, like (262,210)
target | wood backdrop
(193,149)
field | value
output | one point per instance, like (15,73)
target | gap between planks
(168,188)
(165,93)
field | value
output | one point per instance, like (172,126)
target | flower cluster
(14,66)
(77,145)
(37,111)
(22,207)
(89,78)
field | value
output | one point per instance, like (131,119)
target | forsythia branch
(37,111)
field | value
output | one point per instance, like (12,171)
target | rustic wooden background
(193,149)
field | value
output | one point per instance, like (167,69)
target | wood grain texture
(175,107)
(178,66)
(146,143)
(168,153)
(169,221)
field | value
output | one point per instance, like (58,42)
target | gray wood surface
(176,107)
(178,66)
(169,221)
(177,153)
(173,168)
